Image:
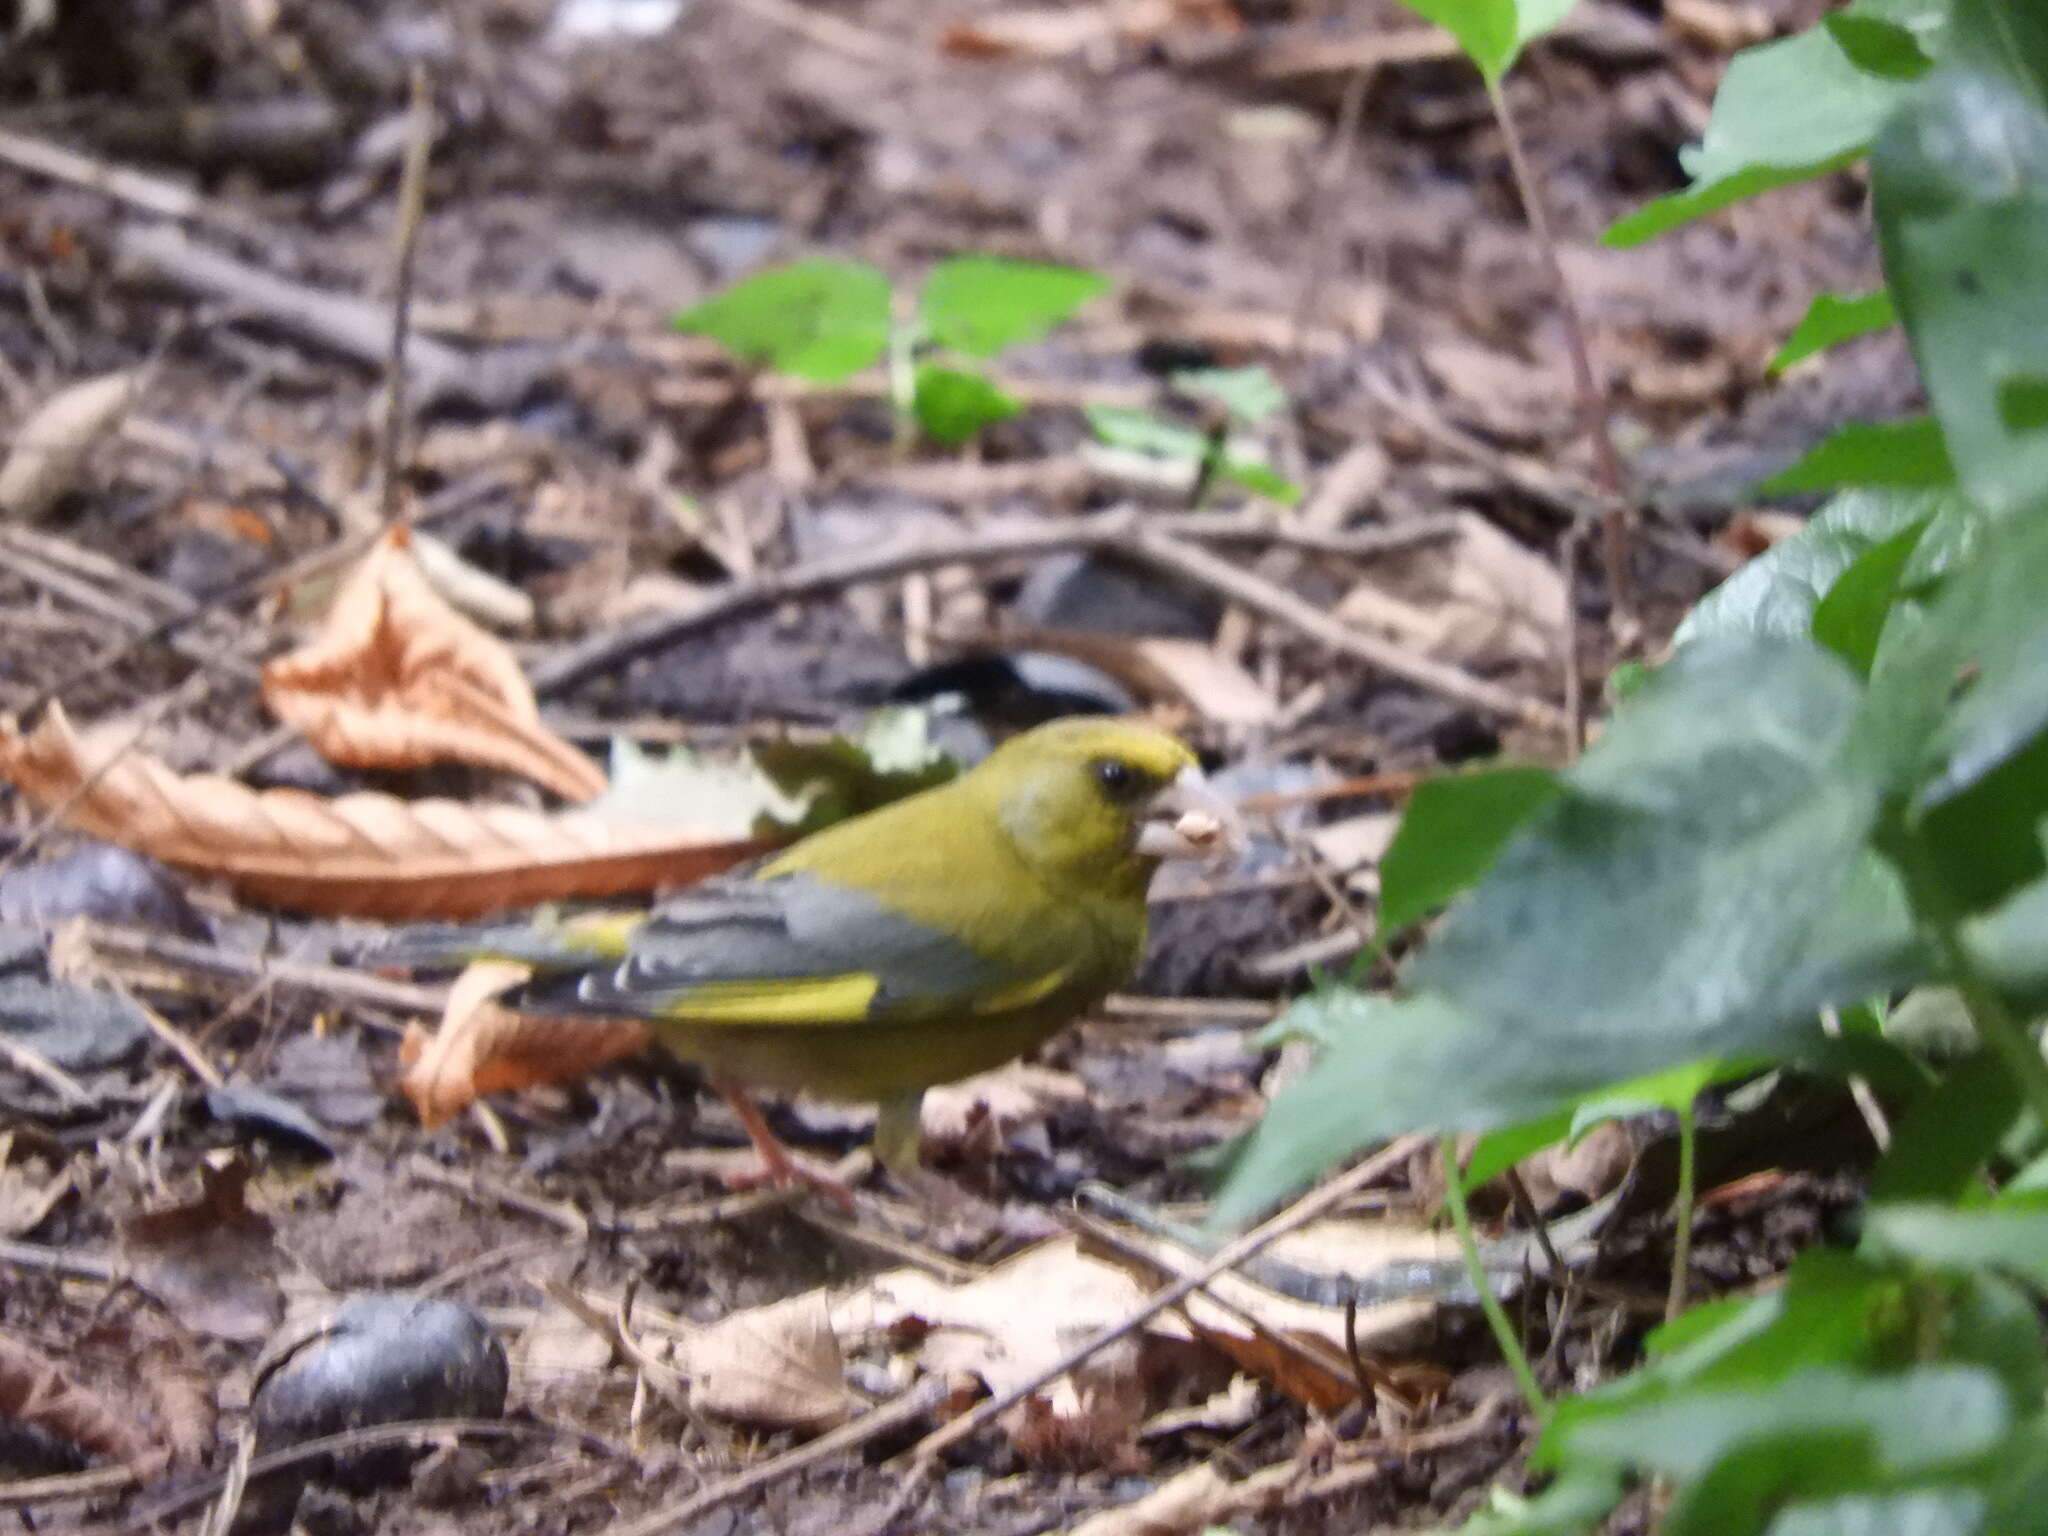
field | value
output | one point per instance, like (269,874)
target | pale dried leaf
(483,1048)
(1218,688)
(1015,1093)
(50,447)
(1192,1501)
(559,1346)
(474,591)
(1048,32)
(398,679)
(1589,1168)
(776,1365)
(359,855)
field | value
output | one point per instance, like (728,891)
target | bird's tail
(547,943)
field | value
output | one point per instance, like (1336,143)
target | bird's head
(1100,802)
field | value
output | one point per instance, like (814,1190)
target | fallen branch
(1118,532)
(152,194)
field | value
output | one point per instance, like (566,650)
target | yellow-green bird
(926,941)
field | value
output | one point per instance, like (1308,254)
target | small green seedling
(1245,396)
(827,320)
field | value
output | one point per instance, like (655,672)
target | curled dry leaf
(398,679)
(34,1389)
(482,1048)
(777,1365)
(360,855)
(50,447)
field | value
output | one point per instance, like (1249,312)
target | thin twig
(1302,1212)
(1593,402)
(412,205)
(914,1404)
(220,1520)
(58,1261)
(152,194)
(33,1063)
(162,949)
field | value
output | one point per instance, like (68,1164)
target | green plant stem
(1681,1242)
(1997,1025)
(1496,1314)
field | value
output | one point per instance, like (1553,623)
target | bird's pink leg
(779,1166)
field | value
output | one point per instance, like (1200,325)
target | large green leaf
(1901,1423)
(1961,197)
(1786,111)
(1939,1147)
(1702,884)
(823,320)
(1777,592)
(1699,888)
(981,305)
(1915,1512)
(1850,620)
(1493,32)
(2011,1235)
(1452,831)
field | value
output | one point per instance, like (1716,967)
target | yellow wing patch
(1023,994)
(806,1000)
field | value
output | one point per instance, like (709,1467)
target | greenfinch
(926,941)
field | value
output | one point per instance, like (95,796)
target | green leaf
(1777,592)
(1493,32)
(2011,1235)
(1834,318)
(1499,1150)
(1879,47)
(1907,455)
(1699,888)
(1573,1504)
(1695,886)
(1916,1512)
(982,305)
(952,406)
(1851,618)
(1674,1089)
(2011,944)
(893,756)
(1142,432)
(1940,1146)
(822,320)
(1960,182)
(1454,828)
(1786,111)
(1902,1423)
(1250,394)
(2005,37)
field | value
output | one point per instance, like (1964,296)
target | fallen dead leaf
(1192,1501)
(398,679)
(210,1259)
(1012,1094)
(483,1048)
(27,1193)
(37,1390)
(50,447)
(1478,597)
(358,855)
(776,1365)
(162,1361)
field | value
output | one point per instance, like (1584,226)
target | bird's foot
(782,1171)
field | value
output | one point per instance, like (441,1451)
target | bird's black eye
(1116,776)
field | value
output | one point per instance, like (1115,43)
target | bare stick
(412,206)
(1593,404)
(1115,532)
(152,194)
(1299,1214)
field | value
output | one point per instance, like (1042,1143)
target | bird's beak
(1189,820)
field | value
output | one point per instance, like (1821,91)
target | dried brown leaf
(777,1365)
(482,1048)
(398,679)
(210,1259)
(35,1389)
(360,855)
(50,447)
